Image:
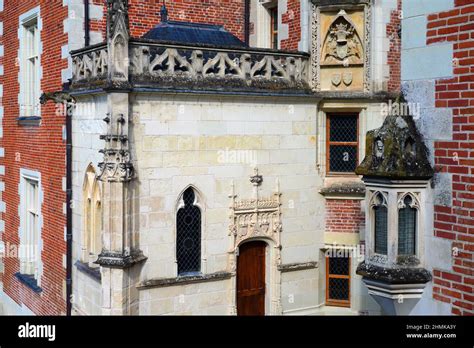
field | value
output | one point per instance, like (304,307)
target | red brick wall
(145,14)
(293,18)
(456,222)
(394,54)
(344,215)
(40,149)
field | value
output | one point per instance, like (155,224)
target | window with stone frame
(380,223)
(188,234)
(338,280)
(342,143)
(273,11)
(30,228)
(407,226)
(29,66)
(92,243)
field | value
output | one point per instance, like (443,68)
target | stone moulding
(119,260)
(399,275)
(293,267)
(349,188)
(175,66)
(183,280)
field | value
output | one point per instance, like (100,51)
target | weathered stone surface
(199,278)
(402,275)
(292,267)
(344,188)
(396,150)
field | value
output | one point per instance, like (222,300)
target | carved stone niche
(340,47)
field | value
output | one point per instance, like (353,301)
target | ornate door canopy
(256,217)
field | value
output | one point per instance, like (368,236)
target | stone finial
(164,13)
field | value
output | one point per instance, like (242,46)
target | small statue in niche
(379,150)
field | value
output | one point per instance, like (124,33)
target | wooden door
(251,279)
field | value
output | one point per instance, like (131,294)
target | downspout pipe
(247,22)
(69,212)
(87,37)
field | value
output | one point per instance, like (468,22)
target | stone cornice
(293,267)
(183,280)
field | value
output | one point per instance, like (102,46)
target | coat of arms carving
(342,45)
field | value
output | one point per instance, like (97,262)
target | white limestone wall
(87,127)
(183,141)
(208,142)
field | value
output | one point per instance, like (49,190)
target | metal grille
(338,281)
(343,129)
(342,143)
(339,265)
(339,289)
(188,239)
(342,158)
(380,217)
(406,229)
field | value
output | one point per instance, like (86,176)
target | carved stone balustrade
(172,66)
(89,70)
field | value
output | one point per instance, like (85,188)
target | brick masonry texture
(394,54)
(344,216)
(40,149)
(293,18)
(145,14)
(456,222)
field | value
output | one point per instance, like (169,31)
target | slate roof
(193,33)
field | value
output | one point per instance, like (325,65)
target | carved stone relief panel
(340,54)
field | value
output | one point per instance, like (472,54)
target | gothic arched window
(407,227)
(380,224)
(188,234)
(92,243)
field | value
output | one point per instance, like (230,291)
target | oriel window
(342,143)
